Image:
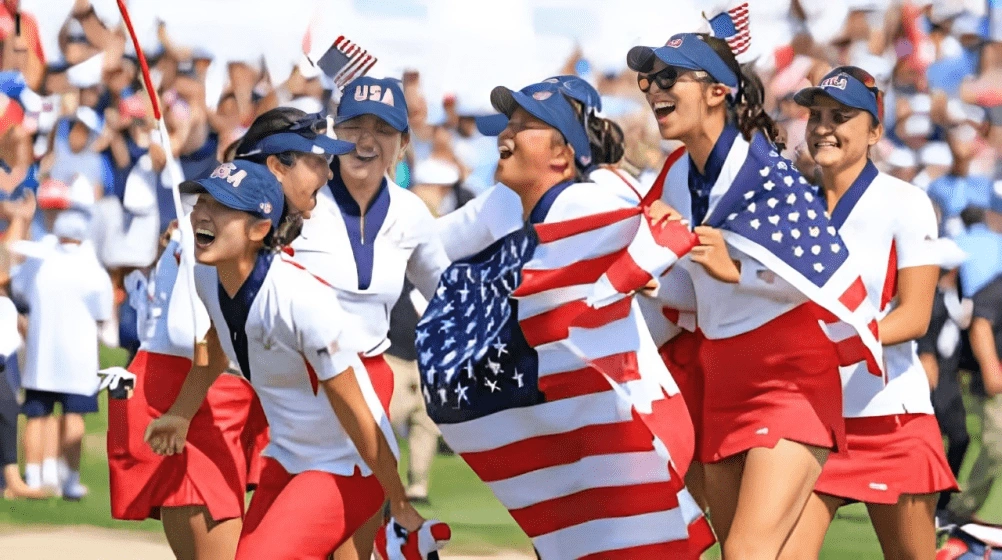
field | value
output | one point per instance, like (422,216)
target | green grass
(479,522)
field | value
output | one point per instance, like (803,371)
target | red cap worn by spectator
(11,113)
(53,195)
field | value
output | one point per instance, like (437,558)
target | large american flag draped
(538,368)
(772,214)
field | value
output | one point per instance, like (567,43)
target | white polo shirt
(723,309)
(291,334)
(890,225)
(68,293)
(368,271)
(498,211)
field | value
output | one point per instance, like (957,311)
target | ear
(876,133)
(716,94)
(276,167)
(259,230)
(563,160)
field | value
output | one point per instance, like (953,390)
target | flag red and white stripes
(740,41)
(594,471)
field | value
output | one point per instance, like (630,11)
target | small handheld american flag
(732,26)
(345,61)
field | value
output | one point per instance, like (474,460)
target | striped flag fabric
(732,26)
(561,405)
(345,61)
(767,210)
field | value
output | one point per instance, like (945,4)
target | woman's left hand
(713,255)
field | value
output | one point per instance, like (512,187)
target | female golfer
(771,409)
(200,495)
(329,460)
(896,464)
(528,408)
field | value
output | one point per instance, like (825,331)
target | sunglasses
(666,78)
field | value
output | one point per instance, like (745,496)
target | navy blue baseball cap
(572,86)
(308,135)
(546,102)
(242,185)
(850,86)
(371,96)
(684,50)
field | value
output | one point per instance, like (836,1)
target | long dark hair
(747,110)
(608,143)
(270,122)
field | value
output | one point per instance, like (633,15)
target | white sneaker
(74,491)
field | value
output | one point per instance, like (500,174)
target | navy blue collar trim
(718,155)
(542,208)
(236,309)
(848,201)
(355,221)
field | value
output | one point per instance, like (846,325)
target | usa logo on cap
(674,43)
(840,82)
(226,171)
(374,92)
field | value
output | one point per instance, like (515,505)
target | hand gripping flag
(563,406)
(767,210)
(393,542)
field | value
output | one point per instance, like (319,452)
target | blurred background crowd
(77,132)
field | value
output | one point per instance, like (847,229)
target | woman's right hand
(406,516)
(166,435)
(659,211)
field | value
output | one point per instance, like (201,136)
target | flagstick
(201,356)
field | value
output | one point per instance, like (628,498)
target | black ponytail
(275,120)
(747,110)
(606,138)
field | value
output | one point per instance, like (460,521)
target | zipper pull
(361,228)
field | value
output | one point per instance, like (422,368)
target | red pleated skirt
(779,381)
(681,356)
(222,457)
(888,456)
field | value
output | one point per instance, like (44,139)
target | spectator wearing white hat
(74,156)
(68,295)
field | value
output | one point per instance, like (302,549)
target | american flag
(344,61)
(732,26)
(562,406)
(772,214)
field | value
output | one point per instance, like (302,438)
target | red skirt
(888,456)
(779,381)
(222,457)
(681,356)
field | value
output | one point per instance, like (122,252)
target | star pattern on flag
(471,352)
(774,206)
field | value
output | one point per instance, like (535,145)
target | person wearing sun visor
(896,464)
(506,360)
(497,211)
(331,461)
(762,274)
(367,233)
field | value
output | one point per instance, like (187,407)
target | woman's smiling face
(377,147)
(838,135)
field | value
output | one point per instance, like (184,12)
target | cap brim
(371,108)
(333,147)
(222,195)
(191,187)
(492,125)
(805,97)
(640,59)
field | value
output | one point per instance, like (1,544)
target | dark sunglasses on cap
(666,78)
